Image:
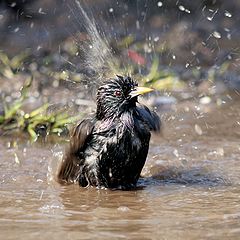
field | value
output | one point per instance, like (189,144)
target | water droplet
(205,100)
(216,34)
(13,4)
(16,29)
(55,83)
(181,8)
(40,198)
(193,53)
(110,172)
(123,209)
(137,24)
(197,107)
(159,4)
(198,129)
(41,11)
(220,151)
(175,152)
(16,159)
(227,14)
(210,18)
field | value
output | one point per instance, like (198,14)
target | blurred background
(200,32)
(186,50)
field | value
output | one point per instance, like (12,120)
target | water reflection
(107,213)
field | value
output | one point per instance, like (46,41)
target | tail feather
(71,166)
(70,169)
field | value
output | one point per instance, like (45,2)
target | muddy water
(190,188)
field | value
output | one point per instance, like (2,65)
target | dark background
(190,28)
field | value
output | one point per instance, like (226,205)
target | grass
(161,80)
(10,66)
(37,122)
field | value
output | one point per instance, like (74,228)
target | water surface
(190,188)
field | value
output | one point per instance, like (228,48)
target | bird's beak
(140,91)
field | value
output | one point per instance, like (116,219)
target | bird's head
(117,95)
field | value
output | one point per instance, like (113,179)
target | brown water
(190,190)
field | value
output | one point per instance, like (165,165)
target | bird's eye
(118,93)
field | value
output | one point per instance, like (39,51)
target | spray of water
(98,56)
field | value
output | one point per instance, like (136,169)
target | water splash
(57,156)
(227,14)
(97,52)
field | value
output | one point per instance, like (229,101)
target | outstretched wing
(70,167)
(149,117)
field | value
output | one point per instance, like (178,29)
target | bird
(109,149)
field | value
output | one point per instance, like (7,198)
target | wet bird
(110,149)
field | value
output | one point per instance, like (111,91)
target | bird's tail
(69,169)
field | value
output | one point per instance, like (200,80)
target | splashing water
(98,54)
(57,156)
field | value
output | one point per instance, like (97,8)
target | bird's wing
(69,170)
(149,117)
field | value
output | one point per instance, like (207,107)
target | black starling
(110,149)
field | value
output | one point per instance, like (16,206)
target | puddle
(190,187)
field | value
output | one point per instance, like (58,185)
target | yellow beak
(140,91)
